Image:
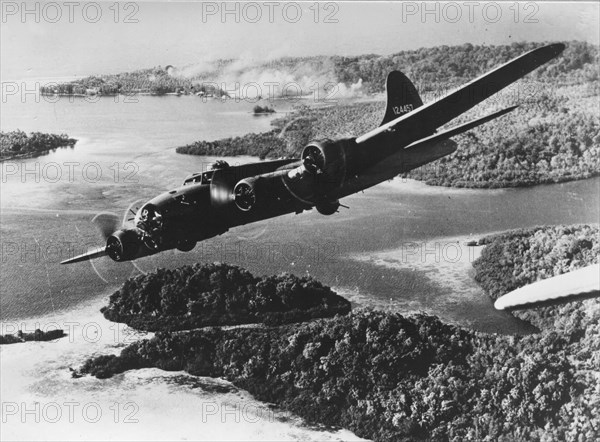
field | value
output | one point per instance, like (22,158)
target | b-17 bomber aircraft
(210,203)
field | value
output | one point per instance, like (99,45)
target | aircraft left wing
(439,112)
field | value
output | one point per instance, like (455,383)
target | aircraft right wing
(573,286)
(437,113)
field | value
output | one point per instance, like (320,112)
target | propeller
(244,195)
(313,159)
(107,223)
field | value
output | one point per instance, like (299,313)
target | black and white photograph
(300,221)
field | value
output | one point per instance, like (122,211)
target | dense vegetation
(454,65)
(18,144)
(219,294)
(381,375)
(37,335)
(155,81)
(550,138)
(263,145)
(520,257)
(389,377)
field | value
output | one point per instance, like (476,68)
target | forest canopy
(18,144)
(219,294)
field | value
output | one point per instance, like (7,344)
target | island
(262,110)
(387,376)
(17,144)
(37,336)
(219,294)
(154,81)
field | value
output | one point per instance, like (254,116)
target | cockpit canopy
(199,178)
(205,177)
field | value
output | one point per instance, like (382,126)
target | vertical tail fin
(402,96)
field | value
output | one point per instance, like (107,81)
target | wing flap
(459,129)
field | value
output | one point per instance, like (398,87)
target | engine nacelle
(330,162)
(186,246)
(325,166)
(244,194)
(328,208)
(125,245)
(265,191)
(325,159)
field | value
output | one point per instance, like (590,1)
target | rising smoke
(269,77)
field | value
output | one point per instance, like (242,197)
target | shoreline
(447,263)
(28,155)
(147,402)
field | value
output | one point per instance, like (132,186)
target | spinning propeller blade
(107,224)
(95,253)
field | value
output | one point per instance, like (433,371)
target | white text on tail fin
(402,96)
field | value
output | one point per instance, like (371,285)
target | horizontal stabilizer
(96,253)
(460,129)
(573,286)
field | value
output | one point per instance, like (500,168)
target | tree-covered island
(219,294)
(262,110)
(386,376)
(17,144)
